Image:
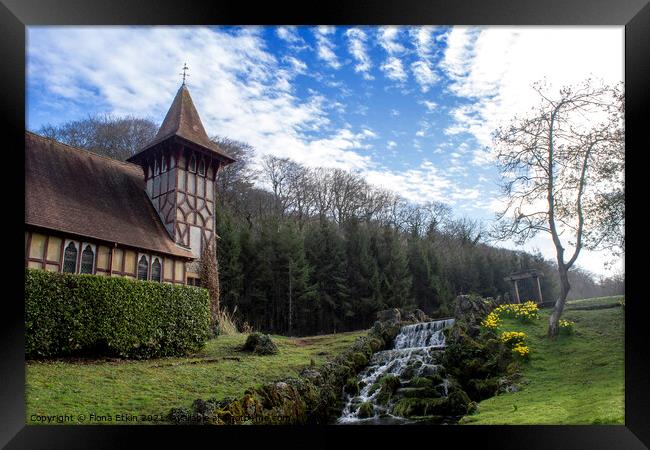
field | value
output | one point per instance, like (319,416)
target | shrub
(260,344)
(70,314)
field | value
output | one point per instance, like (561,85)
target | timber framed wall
(45,250)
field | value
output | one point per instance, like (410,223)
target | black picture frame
(15,15)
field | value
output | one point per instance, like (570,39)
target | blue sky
(409,108)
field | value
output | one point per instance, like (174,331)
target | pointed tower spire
(182,120)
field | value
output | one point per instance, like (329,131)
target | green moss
(388,385)
(366,410)
(422,382)
(411,407)
(352,387)
(360,360)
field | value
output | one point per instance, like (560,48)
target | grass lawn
(154,386)
(577,379)
(593,302)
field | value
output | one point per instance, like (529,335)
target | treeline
(321,250)
(305,251)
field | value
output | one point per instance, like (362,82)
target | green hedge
(69,314)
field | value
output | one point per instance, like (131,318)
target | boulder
(389,315)
(366,410)
(260,344)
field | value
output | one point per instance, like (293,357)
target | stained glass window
(87,260)
(70,258)
(143,268)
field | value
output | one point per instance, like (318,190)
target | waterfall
(416,353)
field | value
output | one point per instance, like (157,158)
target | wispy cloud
(357,48)
(394,70)
(325,47)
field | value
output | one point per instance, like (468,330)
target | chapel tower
(180,167)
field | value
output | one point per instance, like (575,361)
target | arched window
(202,167)
(70,258)
(155,270)
(164,164)
(157,168)
(87,260)
(192,165)
(143,268)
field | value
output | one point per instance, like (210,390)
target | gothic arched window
(87,260)
(164,164)
(192,165)
(143,268)
(156,271)
(202,167)
(70,258)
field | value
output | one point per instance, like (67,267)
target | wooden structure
(524,275)
(147,218)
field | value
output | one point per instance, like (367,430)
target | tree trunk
(554,319)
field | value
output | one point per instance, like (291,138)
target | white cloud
(424,75)
(325,47)
(388,39)
(394,70)
(495,67)
(422,40)
(392,66)
(297,66)
(357,48)
(431,106)
(288,34)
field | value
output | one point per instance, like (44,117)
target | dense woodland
(308,251)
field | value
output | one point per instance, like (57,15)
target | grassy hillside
(577,379)
(154,386)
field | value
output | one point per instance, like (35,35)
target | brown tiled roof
(183,120)
(78,192)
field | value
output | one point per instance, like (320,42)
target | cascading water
(416,352)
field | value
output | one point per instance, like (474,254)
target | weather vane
(185,68)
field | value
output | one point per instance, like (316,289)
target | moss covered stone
(411,407)
(352,387)
(260,344)
(366,410)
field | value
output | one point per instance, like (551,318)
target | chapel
(147,218)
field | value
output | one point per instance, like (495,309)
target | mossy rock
(260,344)
(360,360)
(412,407)
(457,402)
(418,392)
(388,386)
(352,387)
(366,410)
(376,344)
(480,389)
(422,382)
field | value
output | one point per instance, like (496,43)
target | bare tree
(112,136)
(235,179)
(561,167)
